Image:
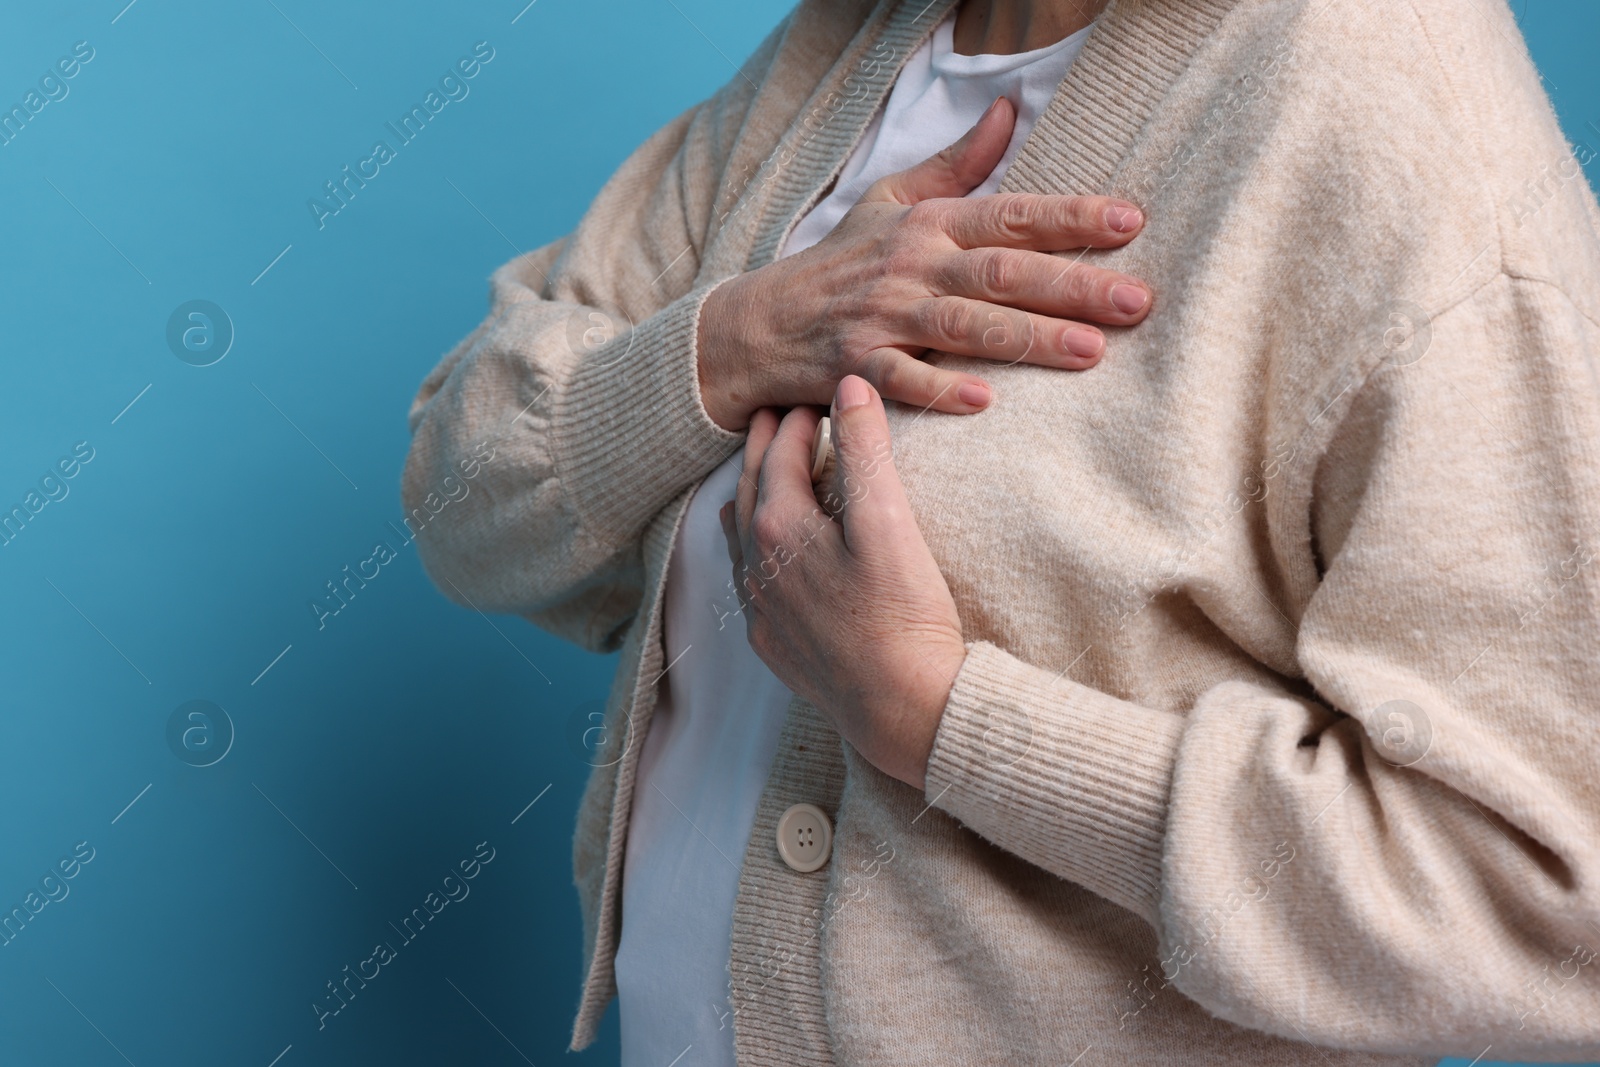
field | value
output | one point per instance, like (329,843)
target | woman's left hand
(852,615)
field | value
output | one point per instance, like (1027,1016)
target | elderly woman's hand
(914,267)
(852,615)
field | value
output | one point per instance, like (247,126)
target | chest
(1115,517)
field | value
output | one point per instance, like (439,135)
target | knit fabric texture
(1278,740)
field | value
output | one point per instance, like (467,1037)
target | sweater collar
(819,141)
(1135,52)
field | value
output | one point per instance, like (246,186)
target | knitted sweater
(1280,723)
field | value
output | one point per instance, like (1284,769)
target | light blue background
(381,750)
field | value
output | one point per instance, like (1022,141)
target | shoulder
(1399,148)
(1329,180)
(1437,106)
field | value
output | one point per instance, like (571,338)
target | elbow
(429,490)
(489,537)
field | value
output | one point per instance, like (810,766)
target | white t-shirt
(715,729)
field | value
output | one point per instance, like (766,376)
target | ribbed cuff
(630,431)
(1068,778)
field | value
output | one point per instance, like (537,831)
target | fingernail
(974,394)
(1123,219)
(1128,298)
(1084,343)
(852,393)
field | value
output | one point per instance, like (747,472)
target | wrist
(723,356)
(941,664)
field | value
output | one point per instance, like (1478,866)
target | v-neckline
(1133,54)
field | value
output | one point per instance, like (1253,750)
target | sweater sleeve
(566,421)
(1409,861)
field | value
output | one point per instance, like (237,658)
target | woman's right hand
(915,267)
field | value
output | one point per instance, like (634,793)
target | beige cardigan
(1281,720)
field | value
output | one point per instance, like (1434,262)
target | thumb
(953,171)
(876,514)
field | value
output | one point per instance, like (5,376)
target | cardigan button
(805,837)
(821,449)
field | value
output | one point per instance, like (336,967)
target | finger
(741,591)
(956,170)
(1046,284)
(899,376)
(1042,223)
(982,330)
(763,425)
(787,521)
(730,535)
(784,494)
(876,515)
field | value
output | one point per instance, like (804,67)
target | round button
(804,837)
(821,449)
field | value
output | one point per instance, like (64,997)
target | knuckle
(950,319)
(1015,215)
(926,214)
(1080,286)
(766,530)
(1087,214)
(1009,332)
(998,270)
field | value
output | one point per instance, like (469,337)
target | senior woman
(1192,653)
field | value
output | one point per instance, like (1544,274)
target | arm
(1355,872)
(592,440)
(1419,877)
(592,427)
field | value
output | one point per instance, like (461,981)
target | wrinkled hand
(914,267)
(853,615)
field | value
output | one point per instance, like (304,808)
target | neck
(1006,27)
